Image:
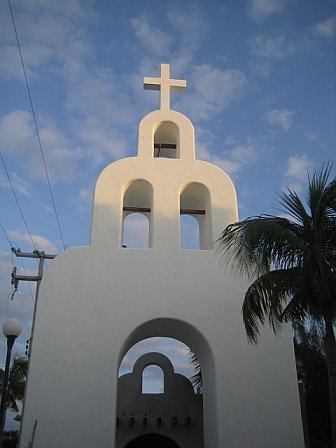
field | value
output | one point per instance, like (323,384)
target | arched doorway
(152,441)
(131,423)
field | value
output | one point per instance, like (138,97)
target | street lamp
(11,329)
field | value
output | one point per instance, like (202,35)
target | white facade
(97,301)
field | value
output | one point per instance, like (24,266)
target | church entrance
(152,441)
(157,406)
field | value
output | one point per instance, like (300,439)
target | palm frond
(321,198)
(252,246)
(16,381)
(293,205)
(266,298)
(196,379)
(291,261)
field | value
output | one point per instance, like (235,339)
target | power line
(28,283)
(5,233)
(23,266)
(35,123)
(16,199)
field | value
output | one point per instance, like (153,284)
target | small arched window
(167,141)
(137,207)
(152,380)
(195,202)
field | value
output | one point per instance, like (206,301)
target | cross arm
(179,85)
(152,83)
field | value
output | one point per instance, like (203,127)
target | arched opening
(136,231)
(167,141)
(190,232)
(152,441)
(179,407)
(137,207)
(195,202)
(152,380)
(179,354)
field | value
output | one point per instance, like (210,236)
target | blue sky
(261,92)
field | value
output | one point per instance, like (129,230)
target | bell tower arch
(96,301)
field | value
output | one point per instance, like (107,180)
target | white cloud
(244,153)
(41,242)
(100,142)
(56,33)
(19,185)
(101,95)
(297,167)
(15,132)
(311,135)
(86,195)
(293,186)
(175,350)
(68,8)
(20,306)
(101,114)
(152,38)
(295,174)
(187,27)
(280,117)
(83,200)
(262,69)
(212,90)
(18,138)
(190,24)
(268,47)
(231,167)
(327,28)
(5,264)
(260,9)
(231,139)
(233,160)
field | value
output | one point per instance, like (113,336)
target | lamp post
(11,329)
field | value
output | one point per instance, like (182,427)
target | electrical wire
(36,127)
(28,283)
(23,266)
(5,233)
(16,199)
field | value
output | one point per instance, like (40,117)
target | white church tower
(98,301)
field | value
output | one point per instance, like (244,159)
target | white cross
(165,85)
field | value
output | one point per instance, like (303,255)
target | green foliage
(291,260)
(16,382)
(10,439)
(196,379)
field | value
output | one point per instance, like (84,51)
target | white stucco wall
(97,301)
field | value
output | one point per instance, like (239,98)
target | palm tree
(196,379)
(16,383)
(292,263)
(312,372)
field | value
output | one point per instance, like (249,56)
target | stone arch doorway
(134,421)
(152,441)
(175,413)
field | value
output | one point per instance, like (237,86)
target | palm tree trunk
(330,351)
(3,424)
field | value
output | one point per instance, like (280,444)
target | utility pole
(41,256)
